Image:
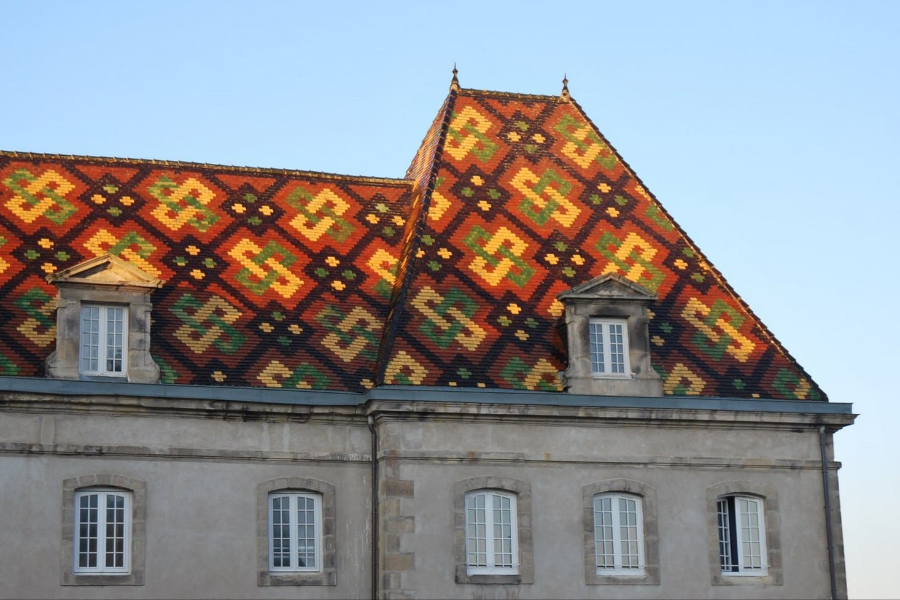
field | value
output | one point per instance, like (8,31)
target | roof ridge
(418,214)
(499,94)
(409,174)
(720,279)
(178,163)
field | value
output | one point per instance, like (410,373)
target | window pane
(101,532)
(115,530)
(476,540)
(603,532)
(88,522)
(751,548)
(114,346)
(628,533)
(609,347)
(616,348)
(90,335)
(306,534)
(597,354)
(618,533)
(281,531)
(725,559)
(490,531)
(294,533)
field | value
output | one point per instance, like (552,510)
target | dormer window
(609,348)
(104,332)
(103,322)
(606,330)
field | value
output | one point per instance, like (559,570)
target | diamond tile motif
(449,276)
(543,202)
(42,195)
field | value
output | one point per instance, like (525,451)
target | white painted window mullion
(491,534)
(102,536)
(618,552)
(608,345)
(103,345)
(742,536)
(295,546)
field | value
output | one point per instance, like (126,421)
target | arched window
(491,536)
(104,530)
(618,534)
(742,535)
(492,539)
(296,532)
(102,536)
(621,533)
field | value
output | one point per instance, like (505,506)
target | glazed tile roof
(272,278)
(449,277)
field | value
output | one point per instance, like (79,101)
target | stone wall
(202,465)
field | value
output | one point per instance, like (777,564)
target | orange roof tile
(450,276)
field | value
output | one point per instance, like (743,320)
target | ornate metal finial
(454,83)
(564,96)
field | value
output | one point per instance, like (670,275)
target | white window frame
(735,535)
(601,350)
(490,566)
(293,499)
(615,527)
(103,346)
(102,523)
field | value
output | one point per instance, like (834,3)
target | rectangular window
(103,340)
(102,539)
(618,535)
(609,348)
(742,535)
(491,544)
(295,531)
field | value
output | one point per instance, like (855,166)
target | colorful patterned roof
(527,200)
(272,278)
(449,277)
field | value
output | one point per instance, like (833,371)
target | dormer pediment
(607,287)
(595,311)
(107,270)
(103,285)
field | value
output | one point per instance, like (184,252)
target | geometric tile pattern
(272,278)
(528,199)
(448,277)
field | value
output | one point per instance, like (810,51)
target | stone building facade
(508,374)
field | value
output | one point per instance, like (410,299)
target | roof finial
(454,83)
(564,96)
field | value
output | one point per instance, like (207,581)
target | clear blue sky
(769,130)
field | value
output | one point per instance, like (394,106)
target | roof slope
(272,278)
(529,200)
(449,277)
(421,173)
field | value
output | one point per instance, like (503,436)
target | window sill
(276,578)
(745,579)
(648,577)
(70,578)
(101,377)
(511,579)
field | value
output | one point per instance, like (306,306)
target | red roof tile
(272,278)
(448,277)
(530,200)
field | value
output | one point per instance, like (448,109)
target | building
(508,374)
